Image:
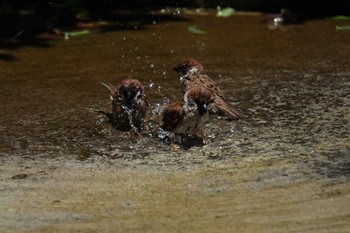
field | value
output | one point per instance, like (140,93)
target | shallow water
(284,167)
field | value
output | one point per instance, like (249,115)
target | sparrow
(190,114)
(129,104)
(191,74)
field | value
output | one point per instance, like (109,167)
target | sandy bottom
(60,195)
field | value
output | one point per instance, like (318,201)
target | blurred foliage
(195,30)
(342,28)
(21,21)
(18,14)
(340,18)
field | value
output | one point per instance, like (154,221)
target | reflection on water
(293,88)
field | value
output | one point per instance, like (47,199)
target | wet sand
(283,168)
(69,196)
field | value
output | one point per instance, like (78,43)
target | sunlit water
(293,85)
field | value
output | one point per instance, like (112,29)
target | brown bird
(191,74)
(129,104)
(190,114)
(189,64)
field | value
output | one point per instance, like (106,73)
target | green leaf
(77,33)
(226,12)
(342,28)
(196,30)
(340,17)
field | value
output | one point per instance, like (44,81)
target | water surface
(285,167)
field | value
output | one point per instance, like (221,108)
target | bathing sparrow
(191,74)
(129,104)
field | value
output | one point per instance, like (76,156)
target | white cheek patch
(193,70)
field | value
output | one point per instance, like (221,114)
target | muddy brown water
(285,167)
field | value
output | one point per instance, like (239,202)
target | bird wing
(109,86)
(220,102)
(206,82)
(172,115)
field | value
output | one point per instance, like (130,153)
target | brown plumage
(129,104)
(191,74)
(184,67)
(190,114)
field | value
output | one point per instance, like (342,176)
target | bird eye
(119,97)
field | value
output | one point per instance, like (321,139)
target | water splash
(159,107)
(130,112)
(164,136)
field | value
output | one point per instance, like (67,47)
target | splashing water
(158,109)
(164,136)
(129,112)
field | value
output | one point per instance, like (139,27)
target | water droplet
(162,134)
(166,101)
(124,38)
(177,12)
(154,22)
(99,122)
(160,88)
(152,65)
(157,109)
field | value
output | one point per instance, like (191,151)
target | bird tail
(230,111)
(109,86)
